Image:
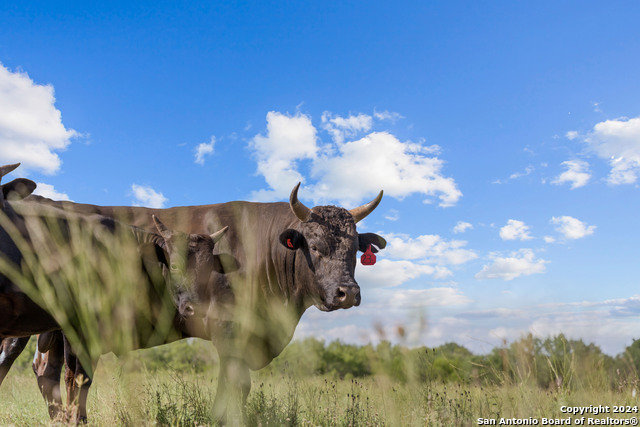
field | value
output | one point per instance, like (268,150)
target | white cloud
(520,263)
(515,230)
(392,215)
(429,248)
(47,190)
(288,140)
(596,107)
(386,273)
(527,171)
(204,149)
(381,161)
(618,142)
(577,174)
(31,129)
(549,239)
(377,161)
(610,333)
(147,196)
(345,127)
(571,135)
(462,226)
(387,115)
(419,298)
(572,228)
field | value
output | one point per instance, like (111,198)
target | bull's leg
(77,382)
(47,365)
(10,349)
(234,384)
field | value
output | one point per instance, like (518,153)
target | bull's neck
(292,275)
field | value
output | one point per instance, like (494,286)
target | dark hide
(22,317)
(275,266)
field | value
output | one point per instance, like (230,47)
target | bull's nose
(187,309)
(348,296)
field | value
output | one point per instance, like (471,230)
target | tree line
(553,362)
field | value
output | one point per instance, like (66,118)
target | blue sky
(506,137)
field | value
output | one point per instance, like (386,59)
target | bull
(278,260)
(172,265)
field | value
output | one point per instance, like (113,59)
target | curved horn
(361,212)
(218,234)
(7,168)
(299,210)
(162,229)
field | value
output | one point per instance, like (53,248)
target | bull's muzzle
(347,296)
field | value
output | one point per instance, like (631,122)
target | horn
(7,168)
(361,212)
(162,229)
(299,210)
(218,234)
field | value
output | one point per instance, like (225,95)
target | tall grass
(90,279)
(126,393)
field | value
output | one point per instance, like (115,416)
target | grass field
(126,392)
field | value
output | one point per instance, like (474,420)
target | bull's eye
(173,266)
(314,248)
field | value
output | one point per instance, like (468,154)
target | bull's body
(278,259)
(165,266)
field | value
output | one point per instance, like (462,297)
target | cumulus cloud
(462,226)
(515,230)
(577,174)
(618,142)
(47,190)
(346,127)
(147,196)
(571,135)
(204,149)
(386,273)
(429,248)
(288,140)
(31,129)
(380,160)
(411,258)
(349,171)
(572,228)
(520,263)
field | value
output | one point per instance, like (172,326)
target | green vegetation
(336,384)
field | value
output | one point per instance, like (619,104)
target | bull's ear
(18,189)
(291,239)
(366,239)
(153,252)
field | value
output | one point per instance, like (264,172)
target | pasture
(334,384)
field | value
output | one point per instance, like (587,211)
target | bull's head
(17,189)
(328,238)
(190,264)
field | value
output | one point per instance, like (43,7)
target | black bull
(279,259)
(167,267)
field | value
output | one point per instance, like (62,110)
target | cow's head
(327,237)
(190,264)
(17,189)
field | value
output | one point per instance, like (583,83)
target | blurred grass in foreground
(174,384)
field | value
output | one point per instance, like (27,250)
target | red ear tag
(368,258)
(289,243)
